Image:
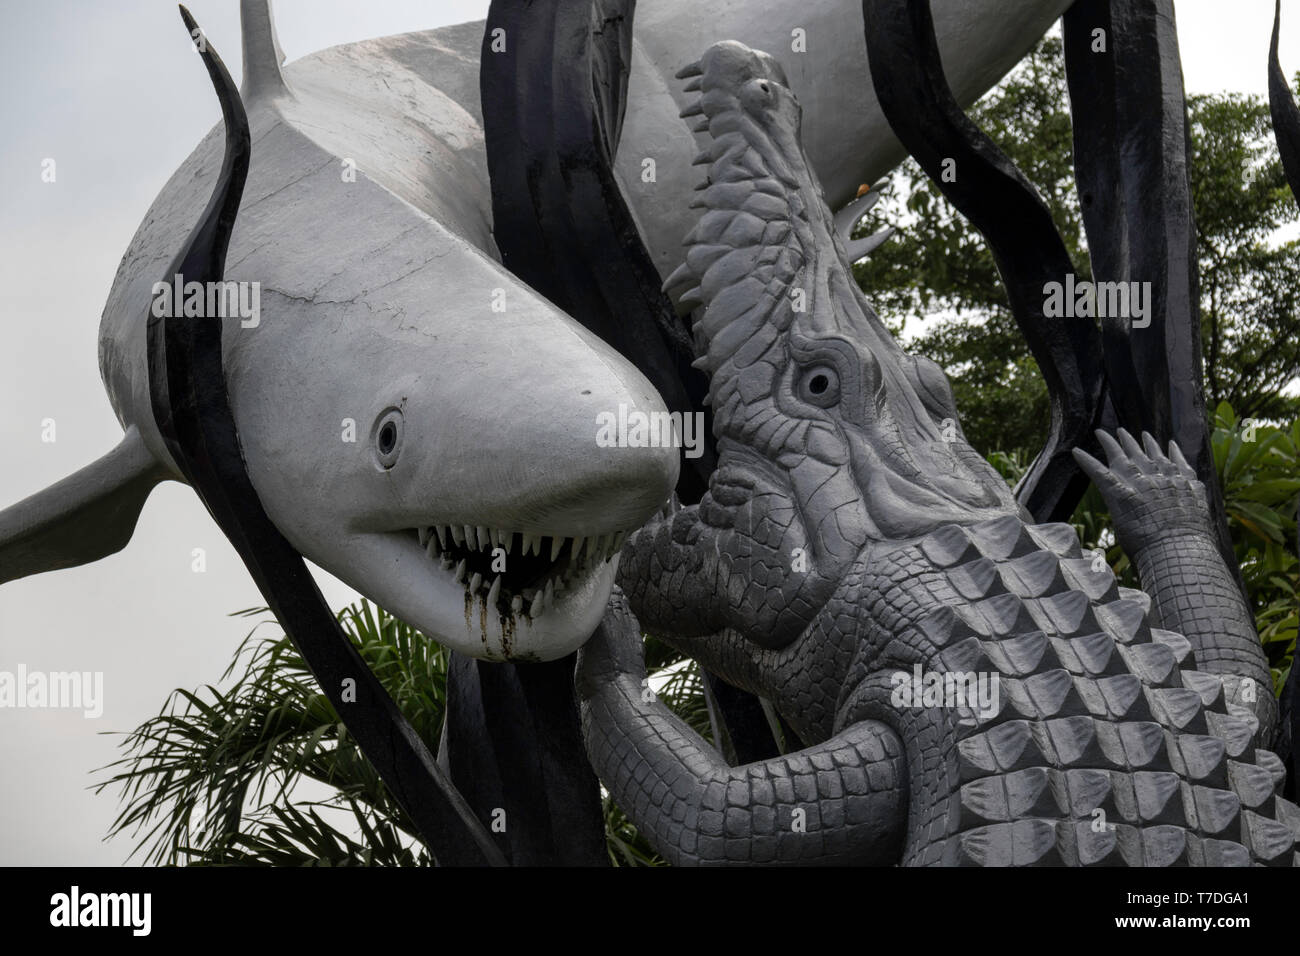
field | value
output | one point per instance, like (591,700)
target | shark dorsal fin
(262,53)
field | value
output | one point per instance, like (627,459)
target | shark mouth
(519,574)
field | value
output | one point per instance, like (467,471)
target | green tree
(939,273)
(261,771)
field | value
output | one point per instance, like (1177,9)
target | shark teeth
(491,563)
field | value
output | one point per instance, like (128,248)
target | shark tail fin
(262,54)
(86,516)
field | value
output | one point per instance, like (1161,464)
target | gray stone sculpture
(397,323)
(855,555)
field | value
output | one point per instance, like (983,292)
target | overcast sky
(112,92)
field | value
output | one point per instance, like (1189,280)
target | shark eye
(388,438)
(820,386)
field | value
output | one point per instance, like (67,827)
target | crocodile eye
(388,438)
(820,386)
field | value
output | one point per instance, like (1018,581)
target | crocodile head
(830,436)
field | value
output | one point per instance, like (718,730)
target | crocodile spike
(1180,645)
(703,158)
(689,70)
(1075,741)
(1057,537)
(1164,846)
(1121,692)
(973,579)
(1069,612)
(1252,783)
(1096,653)
(1154,663)
(1155,792)
(966,657)
(1001,538)
(1269,840)
(1013,746)
(1141,597)
(695,108)
(1216,810)
(1095,847)
(1033,575)
(693,85)
(947,546)
(1054,695)
(1273,764)
(1122,619)
(1208,686)
(1019,655)
(701,125)
(1004,614)
(1204,758)
(1098,584)
(942,626)
(1179,707)
(1239,735)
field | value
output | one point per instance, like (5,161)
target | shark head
(413,418)
(457,479)
(424,426)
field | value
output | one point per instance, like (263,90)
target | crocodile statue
(852,544)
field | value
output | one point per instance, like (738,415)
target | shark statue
(415,419)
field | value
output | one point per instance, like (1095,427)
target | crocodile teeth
(535,609)
(442,536)
(475,580)
(494,591)
(516,604)
(424,536)
(556,544)
(458,535)
(431,547)
(460,571)
(549,596)
(445,562)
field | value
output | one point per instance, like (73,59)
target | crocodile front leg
(843,801)
(1162,522)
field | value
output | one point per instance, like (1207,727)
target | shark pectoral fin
(86,516)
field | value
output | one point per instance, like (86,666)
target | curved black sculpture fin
(1286,129)
(1133,171)
(1282,106)
(192,410)
(999,201)
(553,83)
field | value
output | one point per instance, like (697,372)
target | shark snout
(542,428)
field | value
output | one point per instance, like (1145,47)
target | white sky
(112,92)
